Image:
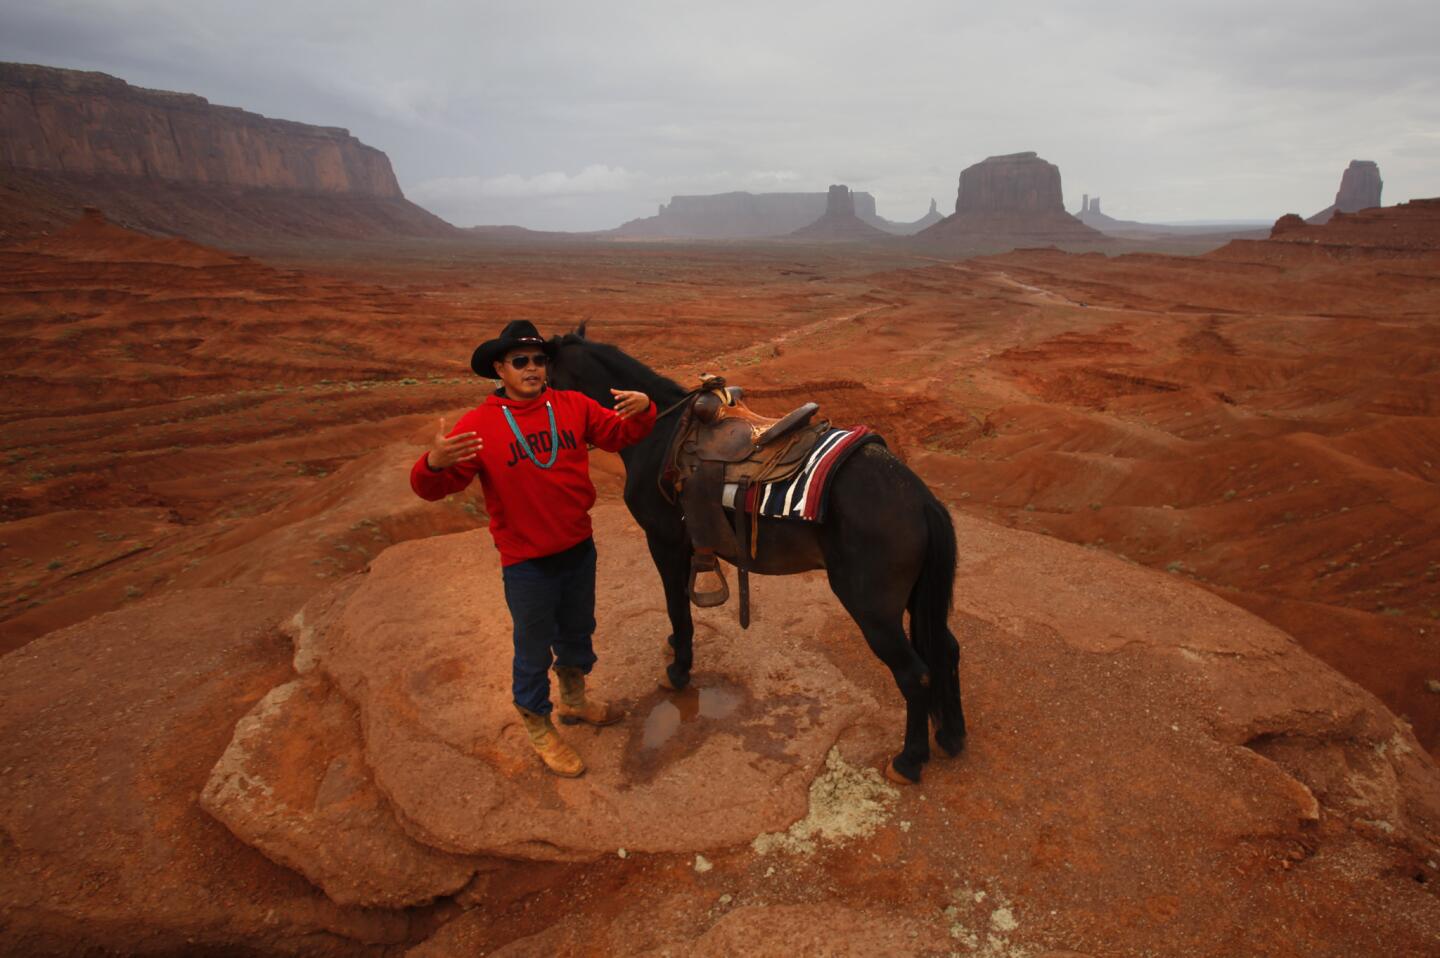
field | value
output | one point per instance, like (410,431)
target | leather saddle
(722,444)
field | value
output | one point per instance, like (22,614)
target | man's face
(528,381)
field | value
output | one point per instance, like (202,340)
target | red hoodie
(533,511)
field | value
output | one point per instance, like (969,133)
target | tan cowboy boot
(559,757)
(575,706)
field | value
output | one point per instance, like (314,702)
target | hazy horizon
(568,116)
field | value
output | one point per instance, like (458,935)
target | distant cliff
(739,215)
(63,121)
(75,139)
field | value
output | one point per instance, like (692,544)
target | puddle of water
(670,713)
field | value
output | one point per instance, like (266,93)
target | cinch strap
(525,446)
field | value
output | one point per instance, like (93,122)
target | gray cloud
(569,115)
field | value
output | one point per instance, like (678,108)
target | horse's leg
(930,629)
(672,561)
(873,541)
(878,611)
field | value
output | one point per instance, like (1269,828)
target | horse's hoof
(670,682)
(898,777)
(952,744)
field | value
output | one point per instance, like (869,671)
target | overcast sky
(581,115)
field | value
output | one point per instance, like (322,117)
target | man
(527,444)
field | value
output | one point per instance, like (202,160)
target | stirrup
(706,562)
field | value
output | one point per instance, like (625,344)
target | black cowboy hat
(517,334)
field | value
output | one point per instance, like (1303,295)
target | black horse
(886,544)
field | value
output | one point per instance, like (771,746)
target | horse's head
(592,368)
(579,364)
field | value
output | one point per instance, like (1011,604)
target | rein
(679,402)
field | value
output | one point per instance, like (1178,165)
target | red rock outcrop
(173,161)
(1360,187)
(104,849)
(446,748)
(1404,230)
(1286,224)
(1283,759)
(1005,202)
(294,783)
(840,224)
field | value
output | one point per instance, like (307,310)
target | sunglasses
(539,359)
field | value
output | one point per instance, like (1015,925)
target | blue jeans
(552,604)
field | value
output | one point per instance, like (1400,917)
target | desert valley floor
(1198,604)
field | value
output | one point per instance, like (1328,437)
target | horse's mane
(627,368)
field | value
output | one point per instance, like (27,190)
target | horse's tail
(930,627)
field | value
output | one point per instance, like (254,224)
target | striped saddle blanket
(804,495)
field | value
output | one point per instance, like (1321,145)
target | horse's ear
(580,330)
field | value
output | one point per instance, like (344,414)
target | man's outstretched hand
(628,402)
(448,450)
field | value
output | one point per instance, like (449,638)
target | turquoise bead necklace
(525,446)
